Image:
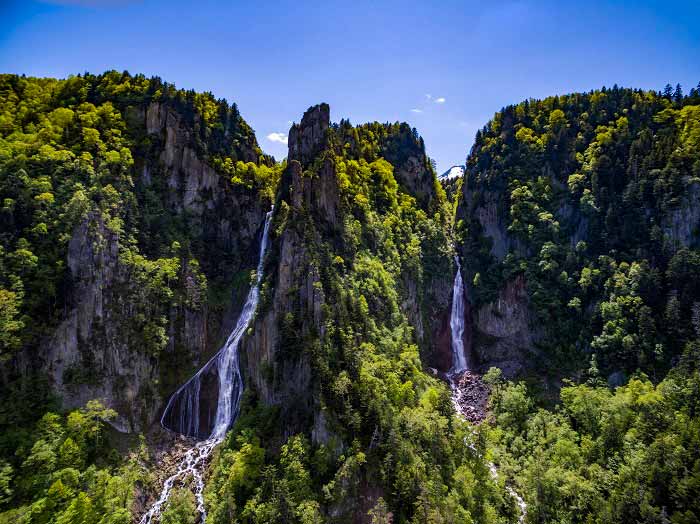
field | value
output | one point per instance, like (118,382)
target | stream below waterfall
(182,413)
(460,371)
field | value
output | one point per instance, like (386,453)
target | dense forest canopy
(597,203)
(67,149)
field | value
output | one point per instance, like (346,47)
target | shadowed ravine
(182,413)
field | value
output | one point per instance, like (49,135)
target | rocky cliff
(500,331)
(326,275)
(309,213)
(277,366)
(101,347)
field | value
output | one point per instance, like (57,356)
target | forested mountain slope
(579,227)
(128,215)
(334,365)
(579,224)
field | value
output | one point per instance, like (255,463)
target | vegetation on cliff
(380,436)
(87,201)
(65,470)
(74,148)
(594,199)
(631,454)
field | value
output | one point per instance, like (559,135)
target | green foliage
(264,178)
(81,177)
(70,153)
(61,472)
(386,423)
(181,508)
(632,455)
(10,325)
(592,189)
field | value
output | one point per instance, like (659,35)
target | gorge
(459,357)
(192,330)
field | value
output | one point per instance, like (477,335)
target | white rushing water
(459,358)
(187,398)
(459,365)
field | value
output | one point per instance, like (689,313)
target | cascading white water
(459,358)
(459,365)
(187,398)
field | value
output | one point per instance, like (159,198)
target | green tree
(181,508)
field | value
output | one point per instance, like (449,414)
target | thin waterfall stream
(460,366)
(459,357)
(182,413)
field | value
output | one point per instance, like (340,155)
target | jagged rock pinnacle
(309,137)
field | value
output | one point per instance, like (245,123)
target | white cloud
(440,100)
(277,137)
(428,96)
(415,110)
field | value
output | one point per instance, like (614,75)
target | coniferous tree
(678,94)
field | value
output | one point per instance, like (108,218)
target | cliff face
(428,309)
(505,331)
(291,312)
(500,332)
(681,225)
(97,352)
(98,349)
(310,214)
(218,213)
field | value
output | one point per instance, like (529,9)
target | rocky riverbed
(470,395)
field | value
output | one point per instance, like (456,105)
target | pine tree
(678,94)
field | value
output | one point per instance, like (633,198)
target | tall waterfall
(459,365)
(183,411)
(459,359)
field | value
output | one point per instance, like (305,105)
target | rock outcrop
(220,214)
(470,395)
(505,331)
(308,138)
(681,224)
(275,368)
(430,316)
(503,334)
(87,355)
(411,165)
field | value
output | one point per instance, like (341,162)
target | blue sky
(444,67)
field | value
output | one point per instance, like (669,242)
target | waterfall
(182,413)
(459,365)
(459,358)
